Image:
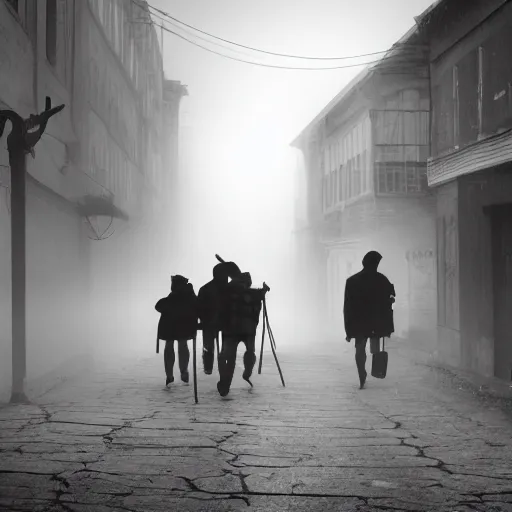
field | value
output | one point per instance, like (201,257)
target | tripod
(266,325)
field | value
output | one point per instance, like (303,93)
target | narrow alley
(117,440)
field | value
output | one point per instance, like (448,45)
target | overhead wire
(263,64)
(290,56)
(345,66)
(168,17)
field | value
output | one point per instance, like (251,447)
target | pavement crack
(109,437)
(238,497)
(243,483)
(191,484)
(441,465)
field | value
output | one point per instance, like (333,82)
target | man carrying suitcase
(368,310)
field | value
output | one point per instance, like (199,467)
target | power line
(147,5)
(273,65)
(262,64)
(167,15)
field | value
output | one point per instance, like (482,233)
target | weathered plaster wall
(448,284)
(476,313)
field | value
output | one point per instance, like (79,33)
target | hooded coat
(369,296)
(178,320)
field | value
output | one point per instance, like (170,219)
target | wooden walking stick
(157,344)
(218,350)
(195,369)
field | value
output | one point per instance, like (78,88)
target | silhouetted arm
(160,306)
(348,309)
(391,292)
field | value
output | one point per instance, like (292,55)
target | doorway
(501,232)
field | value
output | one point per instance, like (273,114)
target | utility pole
(20,142)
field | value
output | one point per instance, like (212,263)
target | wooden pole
(20,142)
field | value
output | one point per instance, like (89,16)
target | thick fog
(239,190)
(241,187)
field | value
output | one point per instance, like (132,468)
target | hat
(244,278)
(179,279)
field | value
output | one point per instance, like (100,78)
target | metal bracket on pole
(20,142)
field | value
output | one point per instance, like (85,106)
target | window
(332,190)
(480,89)
(400,178)
(363,172)
(456,106)
(340,183)
(51,31)
(14,4)
(357,176)
(349,179)
(24,11)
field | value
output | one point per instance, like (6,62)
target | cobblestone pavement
(119,441)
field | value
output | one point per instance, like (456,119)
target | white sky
(241,118)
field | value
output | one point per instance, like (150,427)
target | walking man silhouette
(368,310)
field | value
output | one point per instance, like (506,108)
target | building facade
(100,169)
(365,160)
(471,172)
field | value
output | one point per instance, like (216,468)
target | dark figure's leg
(208,350)
(361,359)
(227,361)
(169,361)
(249,357)
(184,357)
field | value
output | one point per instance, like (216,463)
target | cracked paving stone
(175,466)
(346,482)
(29,505)
(304,504)
(72,429)
(198,504)
(506,497)
(78,507)
(33,464)
(26,486)
(49,448)
(228,484)
(88,419)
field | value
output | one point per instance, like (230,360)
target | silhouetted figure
(209,309)
(178,321)
(240,317)
(368,309)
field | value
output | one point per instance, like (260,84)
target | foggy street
(118,440)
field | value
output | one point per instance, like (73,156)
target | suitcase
(380,363)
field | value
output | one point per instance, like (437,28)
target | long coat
(178,320)
(368,303)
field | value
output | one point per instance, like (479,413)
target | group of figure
(228,305)
(225,305)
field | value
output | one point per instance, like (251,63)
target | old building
(98,181)
(364,161)
(471,172)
